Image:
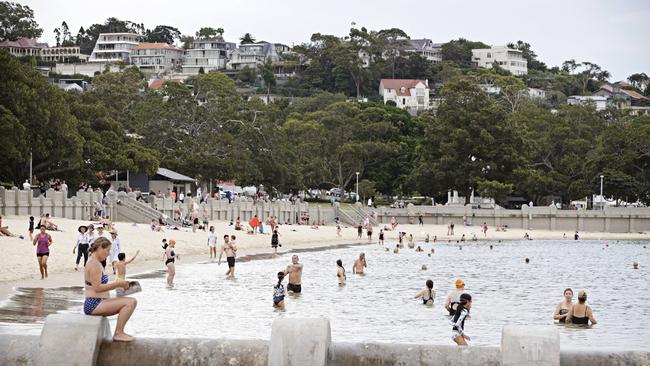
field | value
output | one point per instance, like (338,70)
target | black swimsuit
(581,320)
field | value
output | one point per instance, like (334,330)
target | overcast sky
(612,33)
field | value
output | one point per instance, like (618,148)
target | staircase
(130,209)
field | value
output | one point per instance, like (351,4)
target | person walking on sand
(275,242)
(340,272)
(170,257)
(294,270)
(359,230)
(81,247)
(43,241)
(485,229)
(31,228)
(420,221)
(212,243)
(338,230)
(230,249)
(116,249)
(98,302)
(359,264)
(369,232)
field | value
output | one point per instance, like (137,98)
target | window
(489,55)
(403,101)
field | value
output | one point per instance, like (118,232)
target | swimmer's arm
(354,267)
(420,294)
(132,259)
(590,314)
(556,314)
(220,254)
(569,315)
(448,302)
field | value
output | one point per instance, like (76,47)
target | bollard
(530,345)
(298,341)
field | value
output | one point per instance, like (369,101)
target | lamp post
(357,186)
(602,199)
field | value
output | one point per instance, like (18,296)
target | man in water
(230,249)
(359,264)
(453,298)
(295,275)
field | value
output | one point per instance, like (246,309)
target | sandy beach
(19,267)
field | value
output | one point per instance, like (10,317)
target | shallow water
(380,305)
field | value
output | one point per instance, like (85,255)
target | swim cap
(459,283)
(172,241)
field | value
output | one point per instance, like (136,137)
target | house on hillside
(622,98)
(599,102)
(114,47)
(425,48)
(23,47)
(507,58)
(156,58)
(409,94)
(252,54)
(209,54)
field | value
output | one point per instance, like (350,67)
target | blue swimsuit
(92,302)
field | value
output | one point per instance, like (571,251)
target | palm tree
(247,38)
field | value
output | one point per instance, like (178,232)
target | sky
(611,33)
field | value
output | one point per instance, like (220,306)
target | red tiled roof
(158,83)
(397,84)
(23,43)
(155,45)
(633,94)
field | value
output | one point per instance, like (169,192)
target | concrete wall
(611,219)
(21,202)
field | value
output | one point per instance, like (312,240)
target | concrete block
(72,339)
(530,345)
(299,341)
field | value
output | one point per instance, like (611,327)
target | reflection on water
(380,306)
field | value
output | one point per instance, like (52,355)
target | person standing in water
(294,270)
(170,257)
(212,243)
(458,321)
(427,295)
(381,236)
(98,302)
(43,241)
(453,298)
(279,292)
(231,250)
(359,264)
(340,272)
(581,308)
(563,307)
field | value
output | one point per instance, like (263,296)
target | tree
(640,81)
(163,34)
(187,41)
(246,38)
(17,21)
(529,55)
(268,76)
(460,51)
(494,189)
(15,150)
(209,32)
(247,75)
(469,140)
(212,85)
(366,189)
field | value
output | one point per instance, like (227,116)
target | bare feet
(122,337)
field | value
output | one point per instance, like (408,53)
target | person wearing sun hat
(453,298)
(115,249)
(82,246)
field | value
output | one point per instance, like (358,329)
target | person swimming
(427,295)
(419,249)
(562,308)
(458,321)
(581,308)
(453,298)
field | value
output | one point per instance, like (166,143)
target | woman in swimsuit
(340,272)
(581,308)
(42,241)
(97,287)
(562,308)
(275,241)
(170,258)
(427,295)
(458,321)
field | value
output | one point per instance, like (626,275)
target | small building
(409,94)
(114,47)
(208,54)
(535,93)
(23,47)
(599,102)
(507,58)
(63,54)
(163,181)
(620,97)
(156,58)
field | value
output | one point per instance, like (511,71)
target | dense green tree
(268,76)
(460,51)
(212,85)
(17,21)
(246,38)
(209,32)
(531,57)
(163,34)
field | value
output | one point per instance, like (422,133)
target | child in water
(121,269)
(340,272)
(458,321)
(279,292)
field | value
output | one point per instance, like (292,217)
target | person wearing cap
(115,249)
(453,298)
(170,257)
(581,308)
(81,245)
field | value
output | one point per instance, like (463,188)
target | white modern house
(425,48)
(209,54)
(252,54)
(409,94)
(598,101)
(156,58)
(507,58)
(114,47)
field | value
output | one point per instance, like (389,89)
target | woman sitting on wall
(98,302)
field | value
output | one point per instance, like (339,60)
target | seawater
(380,306)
